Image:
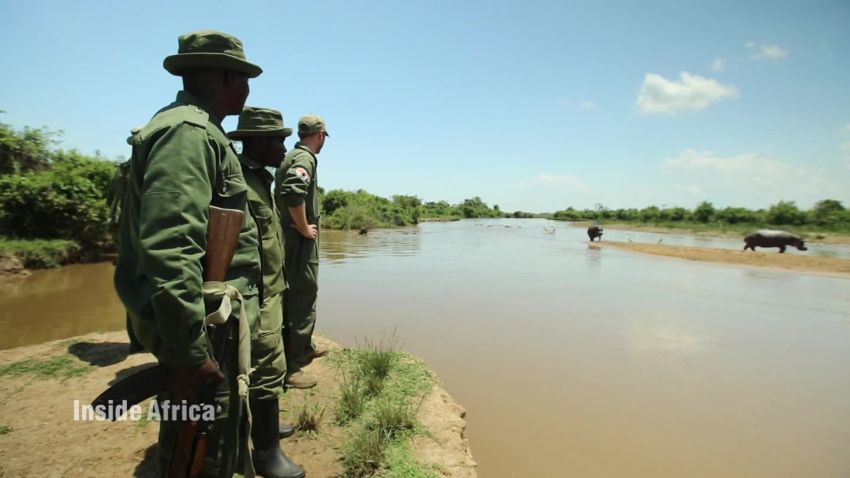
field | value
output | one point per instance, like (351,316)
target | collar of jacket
(186,98)
(303,146)
(255,166)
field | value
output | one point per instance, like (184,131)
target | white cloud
(750,179)
(560,181)
(719,64)
(766,52)
(659,95)
(581,105)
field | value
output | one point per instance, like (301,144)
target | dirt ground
(794,261)
(40,437)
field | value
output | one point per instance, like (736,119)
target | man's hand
(185,383)
(311,232)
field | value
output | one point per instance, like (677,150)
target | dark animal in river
(594,232)
(772,238)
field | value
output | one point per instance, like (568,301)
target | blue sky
(531,105)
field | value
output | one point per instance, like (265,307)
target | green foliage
(475,207)
(400,463)
(393,417)
(26,150)
(363,455)
(738,215)
(828,211)
(785,213)
(380,433)
(352,400)
(360,209)
(41,253)
(52,194)
(4,429)
(704,212)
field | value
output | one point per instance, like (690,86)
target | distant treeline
(362,210)
(825,215)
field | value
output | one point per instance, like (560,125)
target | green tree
(704,212)
(650,214)
(827,211)
(26,150)
(785,213)
(737,215)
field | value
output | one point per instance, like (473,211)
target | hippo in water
(771,238)
(593,232)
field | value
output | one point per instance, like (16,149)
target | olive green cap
(260,122)
(210,49)
(310,124)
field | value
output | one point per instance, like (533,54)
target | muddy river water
(570,361)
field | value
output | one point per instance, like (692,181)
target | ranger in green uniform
(296,187)
(182,162)
(262,134)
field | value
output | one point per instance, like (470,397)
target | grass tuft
(4,429)
(363,455)
(352,400)
(62,367)
(309,417)
(393,417)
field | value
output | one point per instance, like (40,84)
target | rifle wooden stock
(222,239)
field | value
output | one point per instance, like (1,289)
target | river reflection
(570,360)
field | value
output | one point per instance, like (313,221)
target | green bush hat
(210,49)
(310,124)
(259,122)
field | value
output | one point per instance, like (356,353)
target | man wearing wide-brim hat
(182,163)
(262,133)
(297,193)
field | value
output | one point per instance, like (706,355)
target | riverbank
(718,230)
(39,437)
(792,261)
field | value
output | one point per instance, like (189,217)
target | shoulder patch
(302,173)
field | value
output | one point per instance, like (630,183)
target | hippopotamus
(593,232)
(771,238)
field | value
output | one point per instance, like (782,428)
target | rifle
(190,450)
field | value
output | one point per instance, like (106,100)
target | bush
(51,194)
(68,201)
(42,253)
(785,213)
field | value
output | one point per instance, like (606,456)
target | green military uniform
(296,183)
(182,162)
(269,362)
(267,355)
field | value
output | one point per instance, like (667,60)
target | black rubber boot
(286,430)
(269,459)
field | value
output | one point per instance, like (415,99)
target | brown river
(570,361)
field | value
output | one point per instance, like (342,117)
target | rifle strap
(227,294)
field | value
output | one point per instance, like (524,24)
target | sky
(533,105)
